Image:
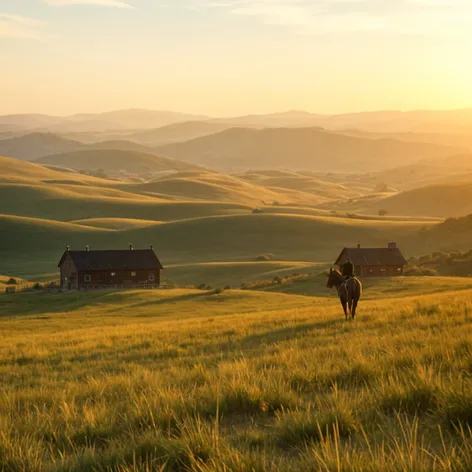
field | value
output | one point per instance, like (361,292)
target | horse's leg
(350,304)
(354,307)
(344,305)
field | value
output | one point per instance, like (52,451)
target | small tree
(12,281)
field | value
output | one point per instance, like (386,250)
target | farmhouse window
(152,277)
(133,274)
(113,274)
(383,269)
(87,278)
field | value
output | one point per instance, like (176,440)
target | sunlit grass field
(237,380)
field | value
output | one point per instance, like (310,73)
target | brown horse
(349,291)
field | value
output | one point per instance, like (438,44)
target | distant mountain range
(240,149)
(420,121)
(121,119)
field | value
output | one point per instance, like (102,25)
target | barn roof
(138,259)
(372,256)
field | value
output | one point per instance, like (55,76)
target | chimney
(87,248)
(67,247)
(358,245)
(130,247)
(392,245)
(152,247)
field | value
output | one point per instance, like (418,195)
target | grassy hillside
(451,235)
(68,203)
(16,171)
(234,238)
(314,285)
(114,161)
(192,380)
(441,200)
(220,187)
(220,274)
(300,182)
(116,223)
(300,148)
(422,173)
(34,145)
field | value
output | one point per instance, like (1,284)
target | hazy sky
(234,56)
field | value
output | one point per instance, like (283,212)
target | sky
(233,57)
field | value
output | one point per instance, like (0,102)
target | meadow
(238,380)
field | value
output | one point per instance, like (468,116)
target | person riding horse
(348,270)
(348,286)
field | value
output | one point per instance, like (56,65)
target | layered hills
(239,149)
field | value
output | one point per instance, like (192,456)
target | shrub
(263,258)
(12,281)
(415,271)
(218,291)
(277,280)
(256,211)
(383,212)
(227,287)
(37,286)
(204,287)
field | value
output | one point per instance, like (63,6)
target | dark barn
(110,268)
(374,262)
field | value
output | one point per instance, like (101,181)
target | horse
(349,291)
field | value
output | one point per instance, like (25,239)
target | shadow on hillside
(286,334)
(167,301)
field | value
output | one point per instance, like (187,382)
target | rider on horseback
(348,270)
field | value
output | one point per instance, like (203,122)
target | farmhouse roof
(139,259)
(378,256)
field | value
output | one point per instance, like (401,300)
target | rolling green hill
(16,171)
(441,200)
(219,274)
(240,149)
(220,187)
(422,173)
(300,182)
(234,238)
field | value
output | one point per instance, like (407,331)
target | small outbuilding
(109,268)
(374,262)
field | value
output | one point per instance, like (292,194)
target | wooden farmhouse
(110,269)
(374,262)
